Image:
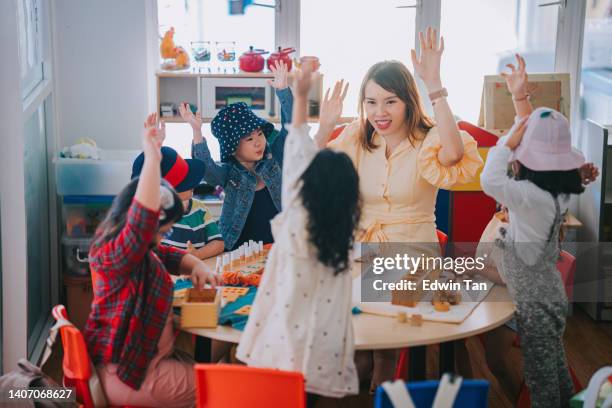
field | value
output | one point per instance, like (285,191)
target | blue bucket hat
(234,122)
(182,174)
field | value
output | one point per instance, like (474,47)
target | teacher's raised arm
(427,67)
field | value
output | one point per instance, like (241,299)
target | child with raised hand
(301,317)
(129,332)
(547,171)
(197,232)
(251,164)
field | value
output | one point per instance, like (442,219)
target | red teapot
(252,60)
(281,55)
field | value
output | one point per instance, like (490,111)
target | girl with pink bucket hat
(547,170)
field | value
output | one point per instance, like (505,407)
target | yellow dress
(399,193)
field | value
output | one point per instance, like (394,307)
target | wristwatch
(434,96)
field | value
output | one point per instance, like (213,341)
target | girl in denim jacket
(251,164)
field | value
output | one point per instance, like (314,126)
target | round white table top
(382,332)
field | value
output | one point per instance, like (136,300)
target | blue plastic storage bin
(106,176)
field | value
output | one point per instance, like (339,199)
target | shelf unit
(189,86)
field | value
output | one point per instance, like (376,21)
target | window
(474,50)
(596,76)
(364,33)
(37,224)
(209,20)
(30,54)
(180,135)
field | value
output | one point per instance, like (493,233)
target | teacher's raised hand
(427,65)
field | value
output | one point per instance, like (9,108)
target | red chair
(401,369)
(76,364)
(226,385)
(336,132)
(567,267)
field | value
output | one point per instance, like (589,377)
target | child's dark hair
(555,182)
(116,216)
(330,194)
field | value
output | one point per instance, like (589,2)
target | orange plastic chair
(76,364)
(401,369)
(227,385)
(567,268)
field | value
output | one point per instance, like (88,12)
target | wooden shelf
(311,119)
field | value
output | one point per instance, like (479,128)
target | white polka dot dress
(301,317)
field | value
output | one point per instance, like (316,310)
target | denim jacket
(239,184)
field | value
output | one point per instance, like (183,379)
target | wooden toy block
(200,308)
(401,317)
(410,298)
(416,320)
(244,310)
(441,306)
(179,297)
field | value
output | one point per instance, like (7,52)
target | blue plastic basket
(473,394)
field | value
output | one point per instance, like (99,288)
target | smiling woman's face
(385,111)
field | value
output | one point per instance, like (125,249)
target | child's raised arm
(214,174)
(147,191)
(494,178)
(285,97)
(517,81)
(331,110)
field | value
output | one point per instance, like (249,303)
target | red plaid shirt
(132,296)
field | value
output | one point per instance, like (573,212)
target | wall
(103,83)
(12,206)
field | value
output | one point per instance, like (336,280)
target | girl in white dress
(301,317)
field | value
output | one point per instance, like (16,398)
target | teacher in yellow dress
(403,156)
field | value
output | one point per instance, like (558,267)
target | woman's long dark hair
(555,182)
(330,194)
(116,216)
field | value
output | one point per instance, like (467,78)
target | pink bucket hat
(547,143)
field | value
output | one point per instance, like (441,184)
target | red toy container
(252,60)
(281,55)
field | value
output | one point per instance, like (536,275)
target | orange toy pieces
(441,306)
(231,293)
(244,310)
(182,58)
(167,48)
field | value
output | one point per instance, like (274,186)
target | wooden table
(381,332)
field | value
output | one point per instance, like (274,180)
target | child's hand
(303,80)
(331,107)
(194,120)
(152,138)
(428,66)
(280,75)
(190,248)
(516,134)
(516,81)
(202,274)
(588,173)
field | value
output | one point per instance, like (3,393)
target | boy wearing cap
(197,231)
(251,164)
